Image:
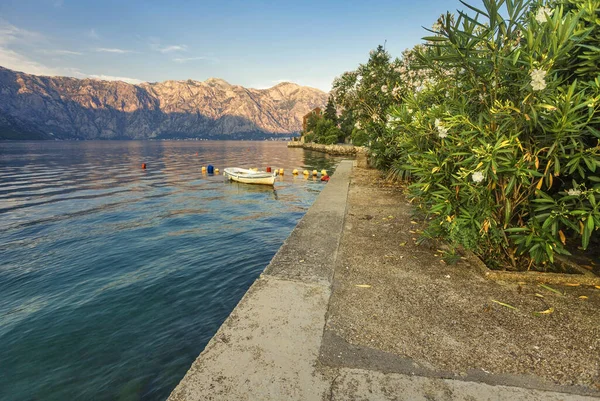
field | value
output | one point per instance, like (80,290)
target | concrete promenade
(275,345)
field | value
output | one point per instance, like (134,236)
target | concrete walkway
(270,347)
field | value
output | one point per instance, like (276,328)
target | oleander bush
(495,122)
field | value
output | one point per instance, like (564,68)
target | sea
(113,278)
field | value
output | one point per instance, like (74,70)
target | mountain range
(39,107)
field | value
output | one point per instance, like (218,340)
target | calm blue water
(112,278)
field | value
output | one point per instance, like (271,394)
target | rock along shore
(335,150)
(350,308)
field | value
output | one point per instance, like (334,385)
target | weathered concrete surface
(309,252)
(397,307)
(289,338)
(356,384)
(268,347)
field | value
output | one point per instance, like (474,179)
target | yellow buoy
(276,171)
(280,171)
(315,173)
(295,172)
(305,172)
(203,169)
(323,172)
(216,171)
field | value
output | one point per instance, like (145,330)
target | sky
(256,44)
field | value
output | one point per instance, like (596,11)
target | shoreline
(335,150)
(343,312)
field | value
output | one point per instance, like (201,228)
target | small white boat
(249,176)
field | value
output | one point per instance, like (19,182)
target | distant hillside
(35,107)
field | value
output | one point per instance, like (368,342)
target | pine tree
(330,111)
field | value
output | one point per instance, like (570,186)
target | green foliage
(346,122)
(496,123)
(368,91)
(311,122)
(330,111)
(323,131)
(359,137)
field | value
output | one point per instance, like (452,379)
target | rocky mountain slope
(36,107)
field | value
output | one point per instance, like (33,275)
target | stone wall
(336,150)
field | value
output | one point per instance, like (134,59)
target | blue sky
(250,43)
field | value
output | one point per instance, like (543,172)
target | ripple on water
(114,278)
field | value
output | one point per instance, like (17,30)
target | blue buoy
(210,169)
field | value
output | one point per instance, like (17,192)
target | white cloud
(172,48)
(112,78)
(59,52)
(186,59)
(11,36)
(112,50)
(18,62)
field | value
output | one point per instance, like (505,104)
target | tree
(346,122)
(311,122)
(330,111)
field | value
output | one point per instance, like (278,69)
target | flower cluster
(477,176)
(542,14)
(442,131)
(538,81)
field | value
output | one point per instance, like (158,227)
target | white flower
(410,111)
(537,79)
(442,131)
(542,14)
(436,27)
(375,117)
(574,192)
(538,74)
(538,85)
(384,88)
(372,52)
(477,176)
(357,125)
(396,91)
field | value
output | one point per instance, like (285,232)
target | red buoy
(268,169)
(144,166)
(325,178)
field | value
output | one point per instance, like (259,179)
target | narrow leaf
(503,304)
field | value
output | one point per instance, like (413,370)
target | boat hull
(249,176)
